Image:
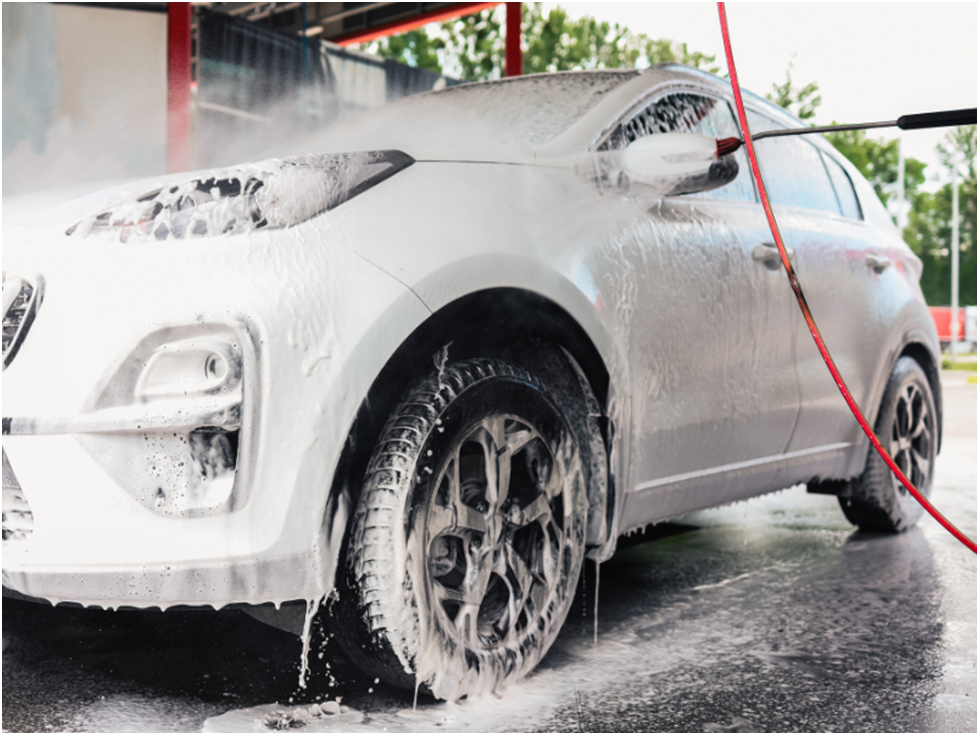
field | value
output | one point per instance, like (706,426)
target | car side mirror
(663,164)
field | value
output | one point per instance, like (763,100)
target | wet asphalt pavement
(771,615)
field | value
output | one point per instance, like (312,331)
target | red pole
(178,87)
(514,57)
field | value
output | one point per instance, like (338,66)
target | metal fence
(257,87)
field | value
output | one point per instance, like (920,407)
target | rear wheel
(468,537)
(908,429)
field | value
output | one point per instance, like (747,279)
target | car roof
(526,119)
(497,120)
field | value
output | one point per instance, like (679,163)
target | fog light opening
(214,452)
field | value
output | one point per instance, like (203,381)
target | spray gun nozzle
(727,145)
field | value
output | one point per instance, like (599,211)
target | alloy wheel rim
(496,533)
(912,437)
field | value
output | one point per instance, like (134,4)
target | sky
(873,61)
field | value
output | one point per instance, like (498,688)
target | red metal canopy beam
(403,26)
(178,87)
(514,56)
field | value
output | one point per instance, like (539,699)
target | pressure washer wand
(919,121)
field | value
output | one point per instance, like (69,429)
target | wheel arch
(914,344)
(504,323)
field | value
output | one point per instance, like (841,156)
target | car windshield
(522,111)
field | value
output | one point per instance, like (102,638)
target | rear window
(844,189)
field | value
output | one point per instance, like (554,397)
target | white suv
(424,381)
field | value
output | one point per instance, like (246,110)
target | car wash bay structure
(343,24)
(206,84)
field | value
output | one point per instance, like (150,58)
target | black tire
(908,429)
(468,537)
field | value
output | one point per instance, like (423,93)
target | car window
(683,112)
(849,203)
(793,169)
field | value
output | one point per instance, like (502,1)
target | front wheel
(468,537)
(907,427)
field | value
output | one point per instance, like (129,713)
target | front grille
(20,302)
(18,520)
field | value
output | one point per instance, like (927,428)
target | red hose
(797,289)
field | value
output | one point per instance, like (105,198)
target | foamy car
(424,365)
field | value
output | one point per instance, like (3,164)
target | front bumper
(114,520)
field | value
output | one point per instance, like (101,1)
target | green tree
(929,230)
(800,101)
(556,43)
(473,46)
(414,48)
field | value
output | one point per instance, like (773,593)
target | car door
(714,392)
(821,219)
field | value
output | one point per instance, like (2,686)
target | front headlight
(270,194)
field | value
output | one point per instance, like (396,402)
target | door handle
(767,254)
(878,262)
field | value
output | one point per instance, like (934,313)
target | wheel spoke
(902,461)
(548,561)
(901,419)
(920,423)
(491,437)
(452,478)
(500,460)
(521,571)
(538,596)
(480,582)
(502,490)
(440,520)
(916,408)
(537,509)
(517,438)
(467,624)
(451,594)
(920,463)
(470,519)
(510,620)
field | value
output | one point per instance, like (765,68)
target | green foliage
(473,47)
(929,230)
(556,43)
(947,364)
(800,101)
(414,48)
(960,143)
(878,161)
(476,44)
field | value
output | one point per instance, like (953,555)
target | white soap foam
(328,716)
